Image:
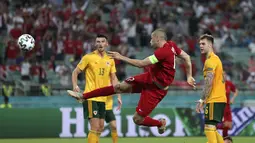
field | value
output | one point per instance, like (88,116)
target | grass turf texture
(126,140)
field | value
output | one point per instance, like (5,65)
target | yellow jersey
(109,103)
(213,64)
(97,71)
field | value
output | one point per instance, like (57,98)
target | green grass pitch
(126,140)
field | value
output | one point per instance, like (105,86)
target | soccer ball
(26,42)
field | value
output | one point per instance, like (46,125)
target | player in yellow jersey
(214,93)
(99,71)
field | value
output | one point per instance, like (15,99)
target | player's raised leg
(150,122)
(105,91)
(149,99)
(133,84)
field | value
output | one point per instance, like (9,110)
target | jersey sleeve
(210,66)
(83,62)
(161,54)
(177,51)
(113,68)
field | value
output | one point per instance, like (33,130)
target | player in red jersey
(153,84)
(227,118)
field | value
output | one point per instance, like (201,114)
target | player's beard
(100,48)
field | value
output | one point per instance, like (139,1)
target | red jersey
(163,72)
(68,47)
(229,87)
(79,48)
(12,51)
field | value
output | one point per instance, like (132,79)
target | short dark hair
(228,138)
(101,36)
(207,37)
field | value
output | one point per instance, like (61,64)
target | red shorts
(227,114)
(151,95)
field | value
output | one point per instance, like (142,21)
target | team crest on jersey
(95,112)
(173,50)
(108,63)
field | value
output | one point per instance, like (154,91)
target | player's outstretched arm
(137,63)
(75,74)
(186,58)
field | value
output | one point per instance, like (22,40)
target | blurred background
(34,83)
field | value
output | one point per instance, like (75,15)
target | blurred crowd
(64,31)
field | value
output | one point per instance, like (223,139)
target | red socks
(105,91)
(225,132)
(149,122)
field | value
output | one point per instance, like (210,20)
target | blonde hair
(160,33)
(207,37)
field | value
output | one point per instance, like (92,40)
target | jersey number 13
(101,71)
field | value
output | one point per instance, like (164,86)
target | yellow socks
(219,137)
(93,137)
(98,136)
(210,132)
(114,136)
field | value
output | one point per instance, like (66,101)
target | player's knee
(137,120)
(101,129)
(229,125)
(117,88)
(122,87)
(96,128)
(113,127)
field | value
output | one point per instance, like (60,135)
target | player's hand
(76,88)
(191,81)
(114,55)
(119,102)
(232,100)
(199,107)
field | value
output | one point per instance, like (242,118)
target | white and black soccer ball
(26,42)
